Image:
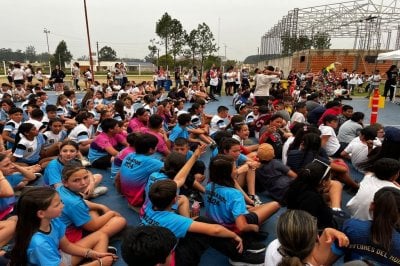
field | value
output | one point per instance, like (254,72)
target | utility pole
(225,51)
(98,56)
(88,36)
(48,47)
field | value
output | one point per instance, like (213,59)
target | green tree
(191,42)
(163,30)
(206,42)
(321,40)
(210,60)
(169,61)
(107,53)
(61,55)
(177,38)
(230,63)
(30,53)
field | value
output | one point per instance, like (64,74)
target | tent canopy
(393,55)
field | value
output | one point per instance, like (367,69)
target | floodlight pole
(88,36)
(48,47)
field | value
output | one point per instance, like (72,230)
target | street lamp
(48,47)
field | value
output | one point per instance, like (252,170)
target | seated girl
(298,242)
(245,175)
(80,215)
(376,240)
(40,235)
(241,133)
(28,149)
(104,147)
(310,149)
(83,133)
(69,152)
(226,205)
(308,192)
(63,113)
(53,137)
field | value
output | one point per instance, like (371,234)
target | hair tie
(305,128)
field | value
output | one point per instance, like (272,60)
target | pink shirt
(135,124)
(161,145)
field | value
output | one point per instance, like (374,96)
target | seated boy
(195,236)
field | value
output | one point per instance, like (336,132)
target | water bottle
(195,209)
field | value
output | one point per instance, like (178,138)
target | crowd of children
(299,153)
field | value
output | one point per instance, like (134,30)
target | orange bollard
(374,106)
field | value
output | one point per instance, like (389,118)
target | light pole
(88,36)
(48,47)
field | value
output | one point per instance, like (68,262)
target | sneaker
(98,191)
(38,175)
(213,145)
(85,162)
(256,200)
(248,258)
(113,250)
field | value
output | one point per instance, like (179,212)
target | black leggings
(103,162)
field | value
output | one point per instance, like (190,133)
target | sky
(128,25)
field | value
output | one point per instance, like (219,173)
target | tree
(191,42)
(210,60)
(291,44)
(163,31)
(61,55)
(30,53)
(206,42)
(321,40)
(177,38)
(107,53)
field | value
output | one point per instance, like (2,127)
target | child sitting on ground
(272,175)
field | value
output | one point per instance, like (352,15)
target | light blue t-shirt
(241,160)
(135,171)
(43,247)
(178,224)
(52,173)
(14,179)
(224,204)
(178,132)
(75,212)
(28,151)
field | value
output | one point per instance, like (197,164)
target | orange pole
(375,106)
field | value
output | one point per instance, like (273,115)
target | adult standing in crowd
(76,75)
(391,82)
(263,85)
(18,75)
(57,76)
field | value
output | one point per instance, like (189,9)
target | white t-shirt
(332,145)
(358,152)
(285,148)
(218,123)
(272,255)
(298,117)
(360,203)
(263,84)
(81,133)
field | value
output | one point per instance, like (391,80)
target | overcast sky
(128,25)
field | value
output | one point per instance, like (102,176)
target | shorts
(251,218)
(66,258)
(19,81)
